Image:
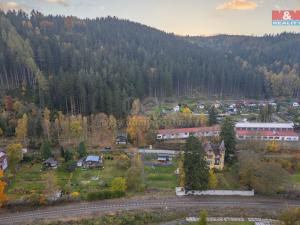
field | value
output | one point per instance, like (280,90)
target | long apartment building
(183,133)
(266,131)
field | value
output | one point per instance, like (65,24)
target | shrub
(27,159)
(101,195)
(118,184)
(123,164)
(68,155)
(203,217)
(290,216)
(75,194)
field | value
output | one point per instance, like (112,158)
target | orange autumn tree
(272,146)
(137,127)
(3,197)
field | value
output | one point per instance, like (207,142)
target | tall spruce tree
(195,166)
(82,149)
(228,135)
(46,150)
(212,116)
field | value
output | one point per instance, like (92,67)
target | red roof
(189,130)
(266,133)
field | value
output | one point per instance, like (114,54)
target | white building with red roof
(266,131)
(183,133)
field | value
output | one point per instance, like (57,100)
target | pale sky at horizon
(184,17)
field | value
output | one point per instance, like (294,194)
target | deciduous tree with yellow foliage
(272,146)
(21,129)
(15,155)
(137,127)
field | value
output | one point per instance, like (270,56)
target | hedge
(101,195)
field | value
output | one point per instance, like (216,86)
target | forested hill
(272,51)
(277,57)
(101,65)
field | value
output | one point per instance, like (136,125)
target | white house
(176,108)
(295,104)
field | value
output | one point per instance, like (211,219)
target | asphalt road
(78,209)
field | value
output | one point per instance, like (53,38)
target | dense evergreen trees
(273,58)
(228,136)
(102,65)
(87,66)
(195,165)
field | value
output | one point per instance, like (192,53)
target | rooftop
(2,153)
(264,125)
(266,133)
(189,130)
(93,158)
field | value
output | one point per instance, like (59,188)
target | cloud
(61,2)
(6,6)
(237,5)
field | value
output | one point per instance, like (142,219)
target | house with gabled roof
(215,155)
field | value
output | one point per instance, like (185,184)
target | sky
(183,17)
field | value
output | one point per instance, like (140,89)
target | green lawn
(161,177)
(28,180)
(295,178)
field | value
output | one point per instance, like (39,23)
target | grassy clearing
(28,180)
(161,177)
(295,178)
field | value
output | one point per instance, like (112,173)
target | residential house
(201,106)
(176,108)
(121,140)
(266,131)
(164,158)
(3,160)
(295,104)
(80,162)
(215,155)
(183,133)
(91,161)
(50,163)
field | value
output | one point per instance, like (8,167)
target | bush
(123,164)
(118,184)
(27,158)
(290,216)
(69,166)
(109,157)
(101,195)
(68,155)
(203,217)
